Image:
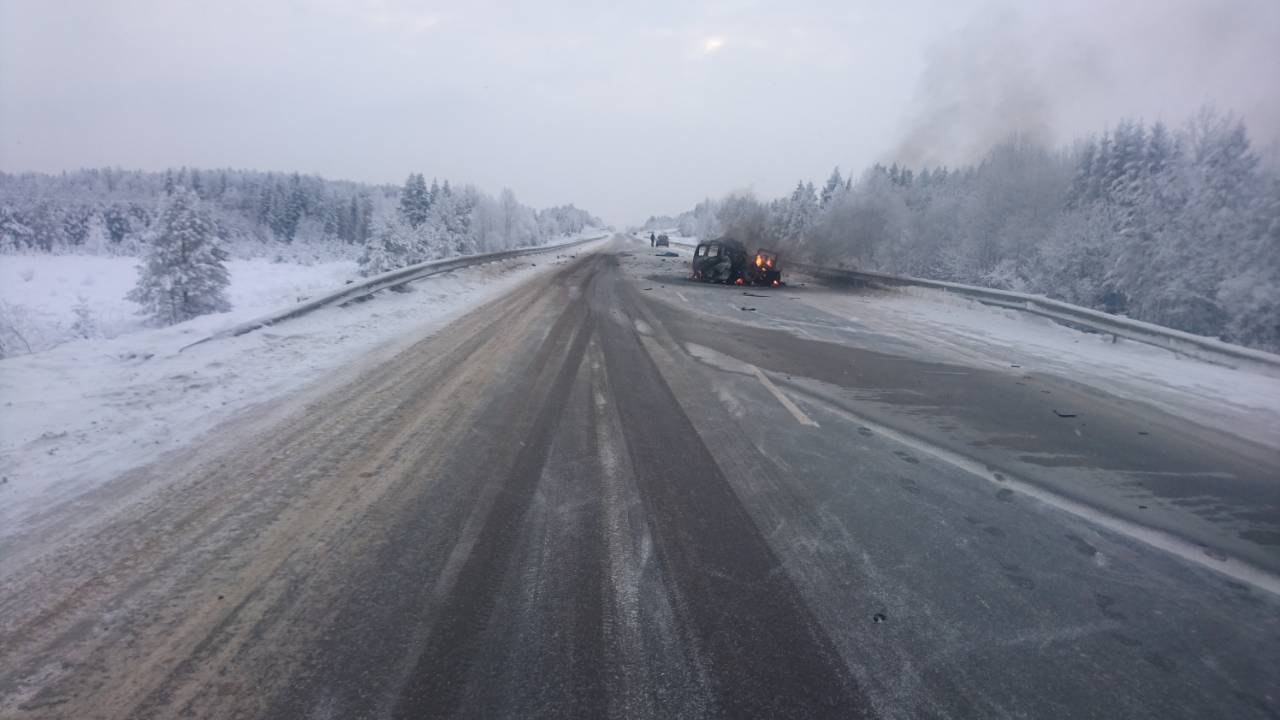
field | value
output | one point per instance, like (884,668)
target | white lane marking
(786,401)
(1234,568)
(681,296)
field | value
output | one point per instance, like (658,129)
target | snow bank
(75,416)
(953,328)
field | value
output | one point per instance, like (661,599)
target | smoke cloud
(1049,74)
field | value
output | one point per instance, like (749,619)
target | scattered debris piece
(1215,554)
(748,309)
(668,254)
(879,617)
(1063,413)
(750,294)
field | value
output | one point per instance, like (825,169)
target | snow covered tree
(415,200)
(745,219)
(388,248)
(182,274)
(83,326)
(116,221)
(96,241)
(835,184)
(802,211)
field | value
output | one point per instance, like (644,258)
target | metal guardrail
(1204,348)
(387,280)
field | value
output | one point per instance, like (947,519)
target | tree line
(439,221)
(1176,227)
(109,210)
(114,211)
(182,224)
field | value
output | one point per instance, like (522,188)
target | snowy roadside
(79,414)
(1245,402)
(42,291)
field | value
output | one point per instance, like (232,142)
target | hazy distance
(625,110)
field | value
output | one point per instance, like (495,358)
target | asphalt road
(612,493)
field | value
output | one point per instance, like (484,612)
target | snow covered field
(1245,401)
(80,413)
(39,292)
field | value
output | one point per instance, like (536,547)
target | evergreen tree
(387,248)
(802,210)
(835,183)
(1081,191)
(83,326)
(182,274)
(415,200)
(116,220)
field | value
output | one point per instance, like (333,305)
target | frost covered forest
(1176,227)
(292,217)
(184,227)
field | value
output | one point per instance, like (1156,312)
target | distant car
(663,241)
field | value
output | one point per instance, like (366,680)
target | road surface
(613,493)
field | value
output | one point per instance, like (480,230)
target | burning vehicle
(727,261)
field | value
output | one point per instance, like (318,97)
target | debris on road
(1063,413)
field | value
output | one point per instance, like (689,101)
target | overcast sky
(625,109)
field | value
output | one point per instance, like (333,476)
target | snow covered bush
(182,274)
(83,326)
(14,329)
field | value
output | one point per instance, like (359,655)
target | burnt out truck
(727,261)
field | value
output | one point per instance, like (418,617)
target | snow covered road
(612,492)
(83,412)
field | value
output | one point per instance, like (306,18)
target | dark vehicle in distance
(727,261)
(663,241)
